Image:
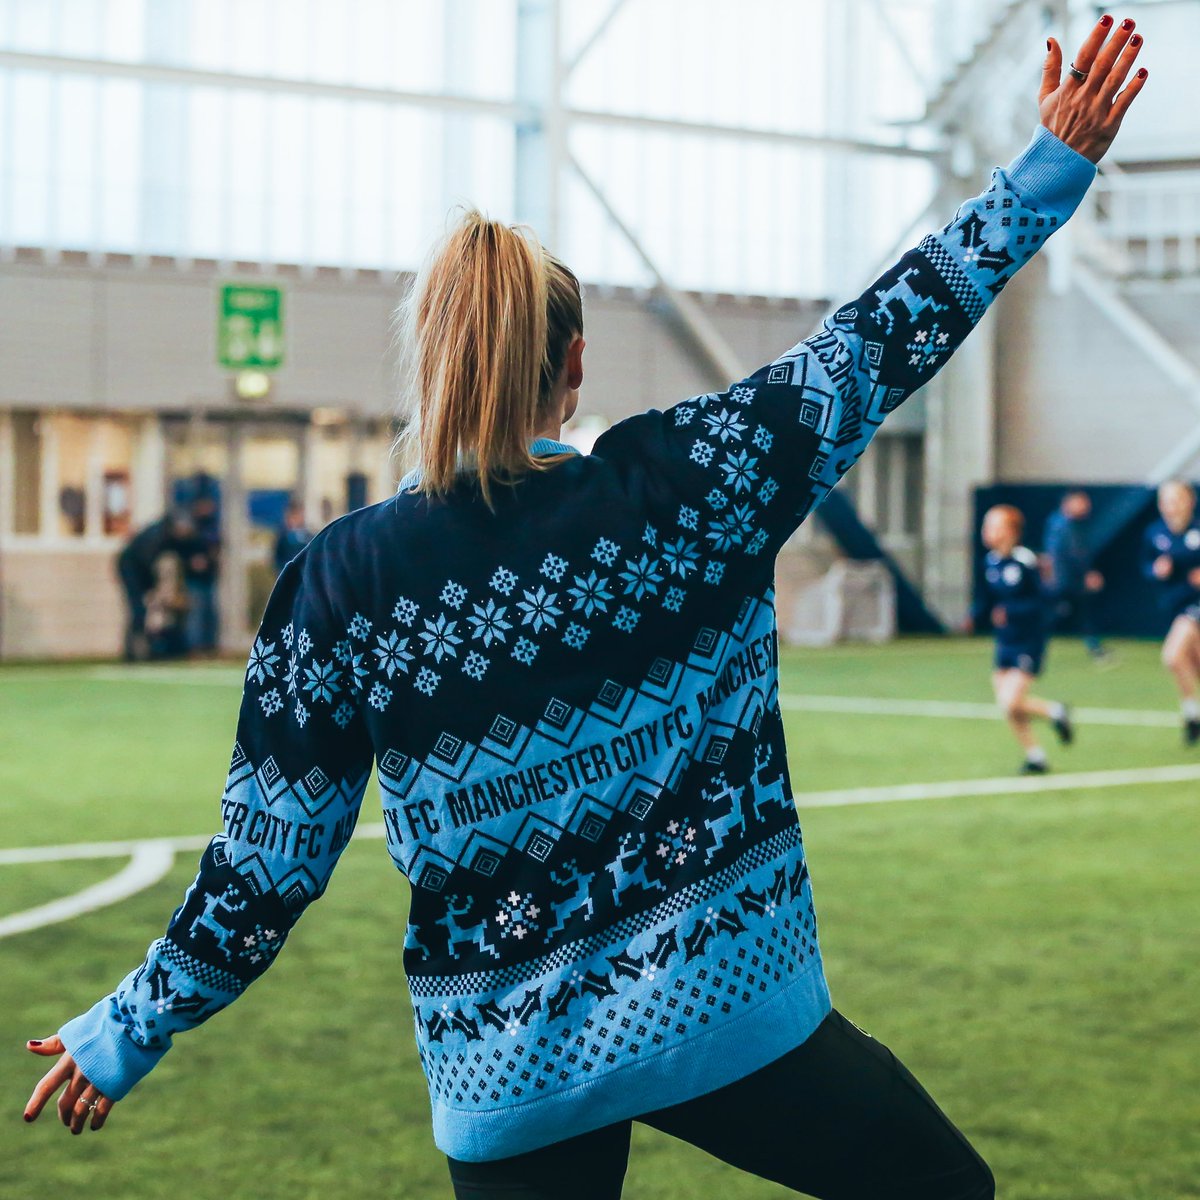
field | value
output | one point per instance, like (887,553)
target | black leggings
(838,1118)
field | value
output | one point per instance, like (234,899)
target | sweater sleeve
(759,457)
(300,765)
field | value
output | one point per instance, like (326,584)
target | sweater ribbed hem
(105,1053)
(702,1064)
(1051,171)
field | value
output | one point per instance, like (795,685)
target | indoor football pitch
(1027,946)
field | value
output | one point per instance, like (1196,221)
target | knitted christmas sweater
(572,705)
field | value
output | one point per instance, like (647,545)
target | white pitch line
(1002,786)
(964,710)
(205,676)
(149,862)
(873,706)
(31,854)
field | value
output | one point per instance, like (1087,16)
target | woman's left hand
(79,1098)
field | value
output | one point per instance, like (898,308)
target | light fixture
(252,385)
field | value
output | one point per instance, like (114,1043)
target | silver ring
(1076,74)
(92,1105)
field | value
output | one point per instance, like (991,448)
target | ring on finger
(1076,74)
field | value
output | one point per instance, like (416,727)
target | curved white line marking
(149,862)
(30,854)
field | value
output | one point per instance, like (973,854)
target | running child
(1171,559)
(1020,615)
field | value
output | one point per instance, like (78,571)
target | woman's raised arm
(752,462)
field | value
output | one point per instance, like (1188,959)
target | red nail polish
(1127,24)
(1049,44)
(1136,40)
(1106,21)
(29,1116)
(34,1042)
(1142,72)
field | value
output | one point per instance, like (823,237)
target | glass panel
(27,480)
(238,172)
(72,437)
(114,450)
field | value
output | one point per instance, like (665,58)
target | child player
(1171,557)
(1019,610)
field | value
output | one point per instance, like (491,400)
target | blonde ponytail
(488,323)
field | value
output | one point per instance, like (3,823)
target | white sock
(1191,709)
(1058,710)
(1036,755)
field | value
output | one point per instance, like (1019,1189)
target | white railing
(1147,225)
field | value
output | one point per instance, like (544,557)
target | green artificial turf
(1030,956)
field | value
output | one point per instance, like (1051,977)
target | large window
(71,475)
(341,134)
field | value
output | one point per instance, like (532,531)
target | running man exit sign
(250,327)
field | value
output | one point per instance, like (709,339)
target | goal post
(852,601)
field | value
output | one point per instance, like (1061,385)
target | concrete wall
(61,604)
(133,337)
(141,337)
(1076,399)
(1048,389)
(128,338)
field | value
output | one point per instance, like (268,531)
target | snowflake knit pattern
(572,703)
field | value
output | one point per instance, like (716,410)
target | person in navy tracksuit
(1171,558)
(1016,601)
(1072,580)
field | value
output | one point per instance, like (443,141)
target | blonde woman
(1171,558)
(565,668)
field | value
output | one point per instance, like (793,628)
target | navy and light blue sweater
(1013,583)
(572,703)
(1176,594)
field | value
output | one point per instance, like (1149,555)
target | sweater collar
(538,447)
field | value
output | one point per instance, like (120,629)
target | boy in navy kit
(1014,596)
(1171,557)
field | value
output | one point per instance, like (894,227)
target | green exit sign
(250,327)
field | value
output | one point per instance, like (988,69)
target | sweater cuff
(105,1052)
(1050,171)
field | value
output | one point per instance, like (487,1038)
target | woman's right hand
(1087,114)
(79,1099)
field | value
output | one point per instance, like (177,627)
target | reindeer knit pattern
(572,704)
